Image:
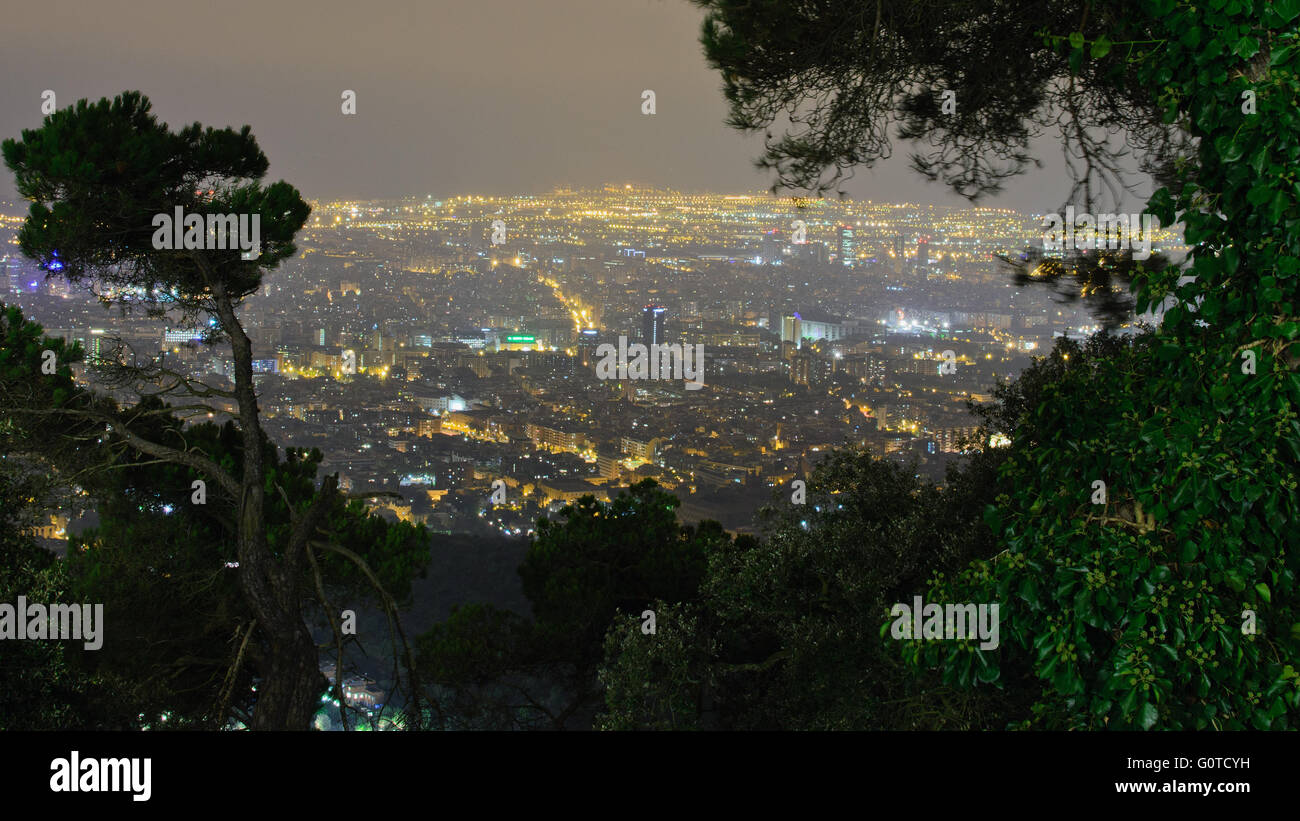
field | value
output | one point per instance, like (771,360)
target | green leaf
(988,674)
(1029,589)
(1260,160)
(993,518)
(1229,148)
(1076,40)
(1185,493)
(1286,9)
(1259,193)
(1277,206)
(1262,589)
(1246,47)
(1149,715)
(1100,47)
(1126,703)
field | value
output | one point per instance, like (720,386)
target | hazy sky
(453,96)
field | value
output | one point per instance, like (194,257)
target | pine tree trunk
(289,694)
(292,682)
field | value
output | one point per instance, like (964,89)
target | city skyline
(480,320)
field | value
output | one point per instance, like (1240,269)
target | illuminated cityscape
(425,360)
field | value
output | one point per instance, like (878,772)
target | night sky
(463,96)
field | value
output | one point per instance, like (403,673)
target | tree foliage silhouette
(96,175)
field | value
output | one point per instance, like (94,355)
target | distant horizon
(493,97)
(643,187)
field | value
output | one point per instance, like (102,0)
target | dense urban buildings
(422,358)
